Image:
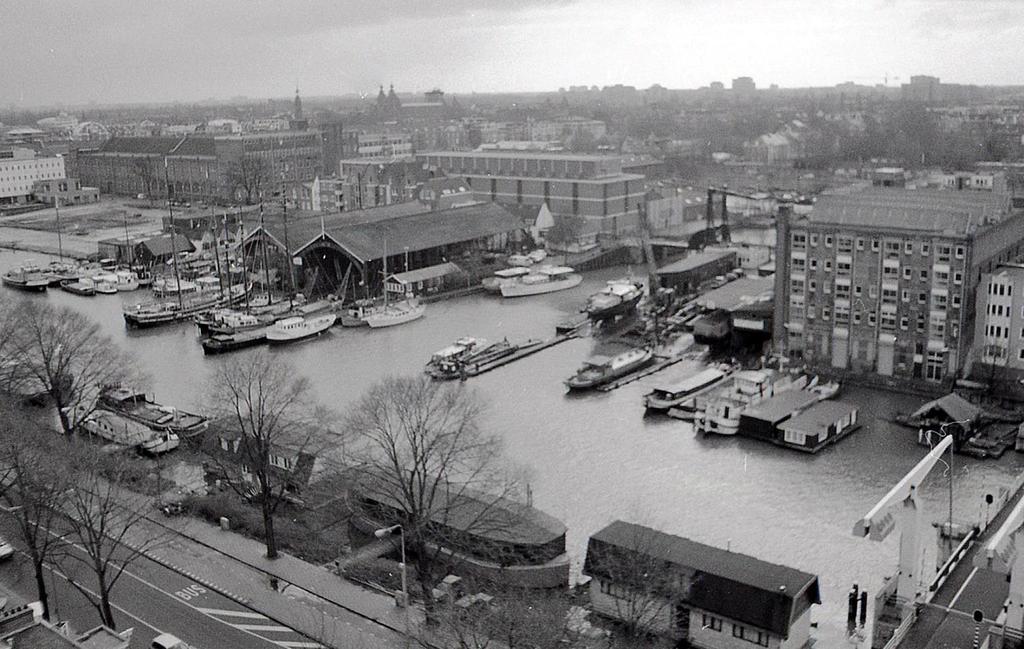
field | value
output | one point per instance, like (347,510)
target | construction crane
(879,522)
(1004,554)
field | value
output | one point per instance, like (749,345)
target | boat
(601,369)
(229,321)
(546,279)
(61,271)
(138,407)
(666,396)
(471,363)
(395,313)
(207,284)
(721,413)
(502,277)
(166,286)
(520,260)
(826,391)
(616,298)
(105,284)
(84,286)
(290,330)
(448,359)
(127,432)
(220,343)
(126,280)
(161,313)
(355,315)
(538,255)
(26,278)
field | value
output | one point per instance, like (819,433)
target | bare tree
(426,465)
(34,484)
(146,171)
(248,173)
(106,525)
(62,353)
(269,431)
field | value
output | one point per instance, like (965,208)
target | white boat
(546,279)
(449,356)
(166,286)
(26,278)
(666,396)
(298,328)
(126,280)
(520,260)
(105,283)
(825,391)
(502,277)
(600,370)
(126,432)
(207,284)
(395,313)
(721,414)
(538,255)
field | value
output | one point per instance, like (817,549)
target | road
(152,599)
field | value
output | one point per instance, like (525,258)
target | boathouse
(821,424)
(696,593)
(761,421)
(687,274)
(345,251)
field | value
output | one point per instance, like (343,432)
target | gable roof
(737,586)
(160,246)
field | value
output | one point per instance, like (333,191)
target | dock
(525,350)
(661,363)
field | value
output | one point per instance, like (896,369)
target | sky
(112,51)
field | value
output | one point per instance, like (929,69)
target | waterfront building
(696,593)
(21,168)
(884,280)
(591,191)
(687,274)
(999,326)
(69,191)
(148,252)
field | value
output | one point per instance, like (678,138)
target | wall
(18,175)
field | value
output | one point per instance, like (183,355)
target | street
(152,599)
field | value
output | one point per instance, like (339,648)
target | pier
(525,350)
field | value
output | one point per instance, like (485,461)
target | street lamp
(390,531)
(942,433)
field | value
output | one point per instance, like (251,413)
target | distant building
(743,87)
(375,182)
(24,627)
(669,210)
(20,169)
(885,280)
(889,177)
(293,456)
(69,191)
(359,144)
(592,189)
(701,595)
(147,252)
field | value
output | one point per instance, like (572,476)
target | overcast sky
(77,51)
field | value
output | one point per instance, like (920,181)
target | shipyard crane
(709,207)
(880,521)
(1004,554)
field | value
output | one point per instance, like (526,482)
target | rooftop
(533,155)
(738,293)
(781,405)
(819,417)
(940,211)
(694,260)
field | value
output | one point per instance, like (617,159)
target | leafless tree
(146,171)
(248,173)
(425,463)
(268,431)
(34,482)
(65,355)
(106,526)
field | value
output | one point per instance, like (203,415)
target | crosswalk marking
(263,627)
(220,611)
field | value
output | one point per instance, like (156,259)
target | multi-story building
(999,326)
(377,145)
(591,188)
(884,280)
(21,168)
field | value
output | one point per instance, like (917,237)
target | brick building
(884,280)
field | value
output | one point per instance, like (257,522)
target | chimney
(16,619)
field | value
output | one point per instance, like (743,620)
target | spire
(298,105)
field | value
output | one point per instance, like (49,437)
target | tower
(297,112)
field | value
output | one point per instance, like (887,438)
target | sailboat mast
(174,238)
(266,257)
(56,206)
(127,243)
(216,254)
(385,274)
(241,245)
(288,255)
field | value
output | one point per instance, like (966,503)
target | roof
(953,405)
(734,585)
(694,260)
(819,417)
(413,228)
(937,211)
(533,155)
(429,272)
(739,293)
(160,246)
(781,405)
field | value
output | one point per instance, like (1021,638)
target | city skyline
(114,52)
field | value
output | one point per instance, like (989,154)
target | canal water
(595,458)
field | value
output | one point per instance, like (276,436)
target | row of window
(997,331)
(712,623)
(995,288)
(843,291)
(799,265)
(846,244)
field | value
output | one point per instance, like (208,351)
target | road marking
(262,627)
(963,586)
(300,645)
(220,611)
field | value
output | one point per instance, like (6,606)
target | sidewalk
(305,597)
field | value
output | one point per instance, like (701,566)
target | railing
(951,563)
(902,630)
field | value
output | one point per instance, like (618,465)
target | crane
(879,522)
(709,207)
(1004,554)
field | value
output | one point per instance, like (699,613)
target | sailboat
(394,313)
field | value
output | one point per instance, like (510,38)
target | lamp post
(389,531)
(942,433)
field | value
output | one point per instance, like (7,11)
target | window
(860,243)
(845,244)
(925,249)
(225,444)
(828,240)
(924,275)
(811,286)
(920,323)
(799,264)
(959,252)
(814,264)
(750,635)
(842,291)
(856,317)
(955,301)
(907,273)
(828,266)
(826,313)
(799,240)
(892,247)
(843,267)
(908,248)
(922,298)
(711,622)
(857,290)
(904,323)
(814,240)
(944,252)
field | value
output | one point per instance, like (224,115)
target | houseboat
(673,394)
(298,328)
(823,423)
(448,359)
(138,407)
(503,277)
(617,298)
(219,343)
(547,279)
(600,369)
(761,420)
(721,413)
(126,432)
(82,286)
(161,313)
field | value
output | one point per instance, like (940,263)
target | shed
(821,424)
(761,421)
(428,279)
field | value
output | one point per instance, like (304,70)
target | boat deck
(155,416)
(523,352)
(658,365)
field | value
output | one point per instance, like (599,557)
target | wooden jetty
(527,349)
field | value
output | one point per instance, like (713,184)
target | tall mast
(216,253)
(288,254)
(174,238)
(241,245)
(127,244)
(266,257)
(56,206)
(385,274)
